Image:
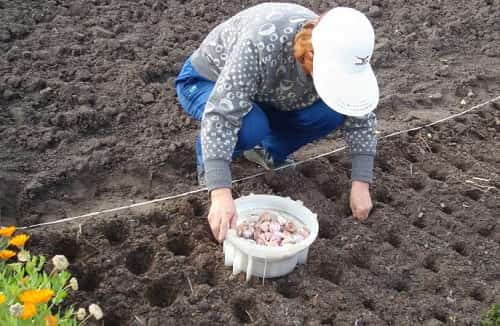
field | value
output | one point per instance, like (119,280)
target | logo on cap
(362,61)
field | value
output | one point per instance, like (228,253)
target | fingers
(233,221)
(361,214)
(220,224)
(227,221)
(360,210)
(223,229)
(214,222)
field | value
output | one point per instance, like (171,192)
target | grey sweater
(250,58)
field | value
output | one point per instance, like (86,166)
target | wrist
(221,193)
(356,184)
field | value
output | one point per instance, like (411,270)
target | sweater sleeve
(229,102)
(361,138)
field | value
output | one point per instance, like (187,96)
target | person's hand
(222,214)
(361,203)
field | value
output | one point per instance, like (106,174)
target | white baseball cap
(343,43)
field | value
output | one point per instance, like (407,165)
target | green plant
(30,296)
(492,317)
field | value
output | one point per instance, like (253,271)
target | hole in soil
(478,294)
(309,170)
(155,76)
(180,245)
(437,175)
(116,232)
(474,194)
(67,247)
(113,320)
(419,222)
(88,278)
(436,148)
(430,263)
(383,196)
(329,320)
(198,208)
(330,190)
(139,260)
(417,183)
(162,293)
(447,210)
(360,257)
(332,272)
(158,218)
(393,239)
(440,315)
(463,165)
(241,309)
(328,227)
(485,229)
(275,181)
(369,304)
(288,288)
(384,166)
(207,277)
(400,285)
(460,247)
(183,207)
(412,157)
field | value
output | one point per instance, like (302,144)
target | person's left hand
(360,201)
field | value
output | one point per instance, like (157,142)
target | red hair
(302,47)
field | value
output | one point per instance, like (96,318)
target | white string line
(253,176)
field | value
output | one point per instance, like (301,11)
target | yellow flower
(29,310)
(2,298)
(7,231)
(6,254)
(19,240)
(50,320)
(36,296)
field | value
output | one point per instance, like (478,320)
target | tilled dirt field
(89,120)
(428,254)
(89,116)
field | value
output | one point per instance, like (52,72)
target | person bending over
(271,79)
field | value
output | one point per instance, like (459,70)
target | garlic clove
(265,226)
(274,227)
(290,227)
(281,220)
(241,228)
(304,232)
(265,217)
(274,243)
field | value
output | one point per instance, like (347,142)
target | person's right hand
(222,214)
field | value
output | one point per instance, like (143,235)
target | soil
(89,120)
(427,255)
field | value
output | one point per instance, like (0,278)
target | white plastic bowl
(264,261)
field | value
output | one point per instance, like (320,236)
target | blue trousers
(279,132)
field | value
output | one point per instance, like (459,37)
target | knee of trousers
(255,127)
(328,122)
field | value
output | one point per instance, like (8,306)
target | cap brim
(352,94)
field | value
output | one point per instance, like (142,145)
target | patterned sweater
(250,58)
